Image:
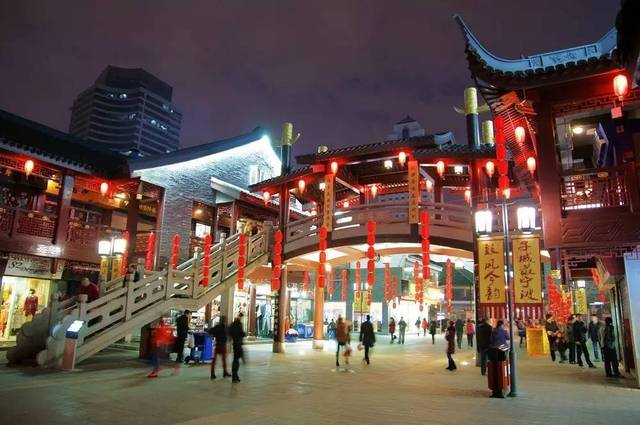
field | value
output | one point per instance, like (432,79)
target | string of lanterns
(206,261)
(501,155)
(387,282)
(449,284)
(277,260)
(343,286)
(241,260)
(175,251)
(151,247)
(371,253)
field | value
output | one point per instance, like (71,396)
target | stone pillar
(281,312)
(226,303)
(318,318)
(252,331)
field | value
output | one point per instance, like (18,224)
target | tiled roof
(275,181)
(20,135)
(458,151)
(406,120)
(428,141)
(539,69)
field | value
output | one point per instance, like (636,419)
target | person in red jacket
(30,307)
(89,289)
(161,340)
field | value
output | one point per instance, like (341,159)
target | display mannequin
(30,307)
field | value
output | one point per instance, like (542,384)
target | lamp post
(111,248)
(526,224)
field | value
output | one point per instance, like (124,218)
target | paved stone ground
(404,385)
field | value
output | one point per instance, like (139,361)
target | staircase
(127,307)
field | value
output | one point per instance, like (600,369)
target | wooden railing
(17,222)
(597,188)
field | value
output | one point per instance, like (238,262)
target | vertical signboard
(491,278)
(527,277)
(327,210)
(413,180)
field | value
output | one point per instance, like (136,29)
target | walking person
(570,341)
(580,338)
(418,323)
(470,330)
(450,336)
(522,332)
(182,331)
(609,354)
(342,337)
(392,329)
(237,334)
(433,326)
(425,326)
(552,330)
(219,333)
(595,329)
(459,332)
(483,342)
(402,327)
(367,337)
(161,341)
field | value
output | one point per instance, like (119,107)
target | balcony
(33,232)
(591,189)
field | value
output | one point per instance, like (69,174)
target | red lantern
(490,167)
(520,134)
(334,167)
(620,85)
(602,297)
(151,247)
(429,184)
(28,167)
(440,168)
(371,252)
(467,196)
(402,158)
(374,190)
(531,165)
(265,197)
(301,186)
(343,286)
(503,167)
(424,232)
(277,260)
(104,188)
(241,260)
(206,260)
(387,282)
(175,250)
(358,277)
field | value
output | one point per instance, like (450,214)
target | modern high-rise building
(127,110)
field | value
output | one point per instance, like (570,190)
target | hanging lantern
(374,190)
(520,134)
(151,247)
(330,288)
(277,260)
(301,186)
(28,167)
(206,260)
(345,204)
(426,247)
(387,282)
(402,158)
(467,196)
(440,168)
(490,168)
(241,259)
(265,197)
(531,165)
(358,276)
(620,86)
(334,167)
(343,285)
(371,252)
(104,188)
(175,250)
(394,290)
(429,184)
(507,193)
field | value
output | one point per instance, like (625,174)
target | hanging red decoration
(265,197)
(620,86)
(531,165)
(104,188)
(277,260)
(125,255)
(175,251)
(429,185)
(301,186)
(387,282)
(334,167)
(490,167)
(343,285)
(449,284)
(305,280)
(371,252)
(501,154)
(374,190)
(440,168)
(331,284)
(322,257)
(426,247)
(520,134)
(358,277)
(602,297)
(206,261)
(28,167)
(241,259)
(394,290)
(151,249)
(467,196)
(402,158)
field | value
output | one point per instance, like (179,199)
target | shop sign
(327,210)
(28,266)
(104,268)
(527,276)
(413,181)
(580,299)
(360,304)
(491,279)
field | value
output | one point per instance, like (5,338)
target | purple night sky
(342,71)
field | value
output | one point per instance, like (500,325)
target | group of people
(486,339)
(367,339)
(163,342)
(573,337)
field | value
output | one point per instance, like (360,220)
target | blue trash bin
(300,328)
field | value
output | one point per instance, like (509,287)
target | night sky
(342,71)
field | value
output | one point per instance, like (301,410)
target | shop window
(21,299)
(202,230)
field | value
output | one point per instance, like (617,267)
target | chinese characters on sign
(527,279)
(491,282)
(327,209)
(413,182)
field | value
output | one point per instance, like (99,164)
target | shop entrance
(21,299)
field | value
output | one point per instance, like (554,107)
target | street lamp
(111,248)
(484,222)
(526,219)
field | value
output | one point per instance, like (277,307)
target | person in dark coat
(367,337)
(609,354)
(182,331)
(450,336)
(595,329)
(237,337)
(459,332)
(483,342)
(580,338)
(402,327)
(433,326)
(499,336)
(553,332)
(392,329)
(219,333)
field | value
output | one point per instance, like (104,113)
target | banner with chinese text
(491,282)
(527,275)
(327,210)
(360,301)
(413,182)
